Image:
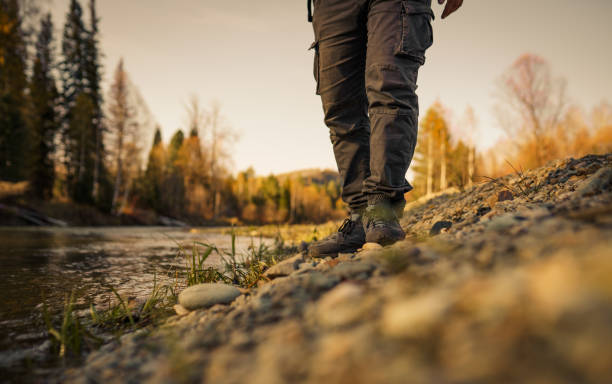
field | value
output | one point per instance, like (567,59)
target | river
(50,263)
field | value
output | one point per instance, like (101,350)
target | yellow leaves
(6,25)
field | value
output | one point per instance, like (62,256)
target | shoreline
(512,289)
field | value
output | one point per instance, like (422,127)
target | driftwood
(32,217)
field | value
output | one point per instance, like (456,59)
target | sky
(252,58)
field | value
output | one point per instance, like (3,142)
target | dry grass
(8,189)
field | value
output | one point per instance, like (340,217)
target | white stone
(180,310)
(369,246)
(207,295)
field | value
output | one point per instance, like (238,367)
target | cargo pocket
(416,34)
(315,46)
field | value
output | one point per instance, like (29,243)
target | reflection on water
(51,262)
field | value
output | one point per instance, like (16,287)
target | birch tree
(530,104)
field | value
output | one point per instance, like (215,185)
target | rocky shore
(507,282)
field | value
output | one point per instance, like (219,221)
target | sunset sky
(252,57)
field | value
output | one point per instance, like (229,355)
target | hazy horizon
(252,58)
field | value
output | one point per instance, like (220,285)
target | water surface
(52,262)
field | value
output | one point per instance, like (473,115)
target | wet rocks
(207,295)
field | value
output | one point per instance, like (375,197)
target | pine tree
(79,128)
(13,103)
(154,172)
(92,73)
(173,149)
(43,113)
(77,106)
(172,182)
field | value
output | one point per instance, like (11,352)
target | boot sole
(384,241)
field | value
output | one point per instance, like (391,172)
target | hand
(451,6)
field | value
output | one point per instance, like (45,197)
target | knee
(356,131)
(347,120)
(391,88)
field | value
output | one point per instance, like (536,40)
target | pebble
(285,267)
(598,182)
(352,270)
(502,223)
(414,317)
(340,306)
(439,226)
(180,310)
(371,246)
(207,295)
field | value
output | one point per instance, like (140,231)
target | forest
(63,138)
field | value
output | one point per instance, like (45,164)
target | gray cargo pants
(367,57)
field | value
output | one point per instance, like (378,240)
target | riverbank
(18,209)
(509,281)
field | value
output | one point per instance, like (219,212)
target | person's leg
(399,33)
(340,44)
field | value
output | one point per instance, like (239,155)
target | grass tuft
(243,270)
(524,186)
(73,337)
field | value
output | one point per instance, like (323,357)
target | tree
(176,142)
(431,153)
(530,105)
(92,74)
(121,127)
(173,187)
(470,126)
(191,165)
(78,109)
(154,172)
(13,84)
(221,137)
(601,118)
(43,113)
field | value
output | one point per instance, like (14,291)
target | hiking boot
(381,224)
(349,238)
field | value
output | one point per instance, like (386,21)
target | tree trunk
(96,171)
(443,183)
(126,194)
(470,166)
(119,171)
(81,165)
(430,163)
